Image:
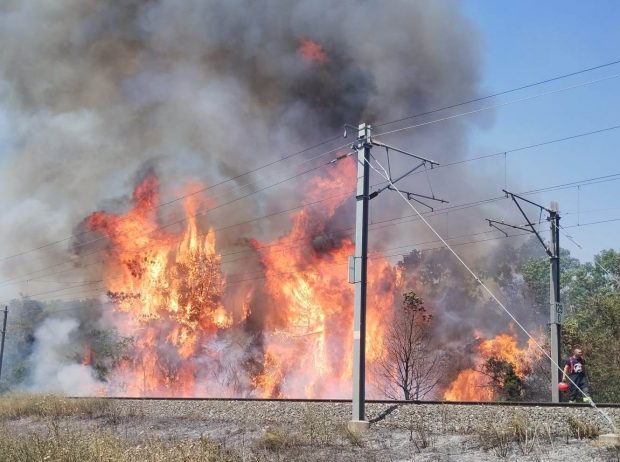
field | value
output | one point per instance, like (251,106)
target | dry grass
(314,430)
(74,445)
(496,438)
(277,438)
(525,434)
(581,429)
(15,406)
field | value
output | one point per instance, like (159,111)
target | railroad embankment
(59,429)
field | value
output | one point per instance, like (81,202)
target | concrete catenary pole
(6,313)
(360,264)
(555,308)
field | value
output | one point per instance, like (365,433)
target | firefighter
(575,368)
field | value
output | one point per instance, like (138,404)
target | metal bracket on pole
(514,198)
(414,197)
(358,263)
(553,250)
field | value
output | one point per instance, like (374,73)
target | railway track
(303,400)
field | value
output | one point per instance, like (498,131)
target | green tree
(107,350)
(536,276)
(506,384)
(595,327)
(591,299)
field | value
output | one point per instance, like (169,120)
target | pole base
(358,427)
(609,439)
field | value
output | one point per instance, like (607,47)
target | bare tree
(410,367)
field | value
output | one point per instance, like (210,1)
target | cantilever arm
(387,146)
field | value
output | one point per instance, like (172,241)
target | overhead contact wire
(483,285)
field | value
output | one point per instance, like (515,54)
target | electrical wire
(495,106)
(193,193)
(596,263)
(473,159)
(188,216)
(383,254)
(269,164)
(484,286)
(387,223)
(282,273)
(500,93)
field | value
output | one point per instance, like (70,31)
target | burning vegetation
(169,289)
(170,85)
(501,367)
(283,330)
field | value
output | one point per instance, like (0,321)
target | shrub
(581,429)
(525,434)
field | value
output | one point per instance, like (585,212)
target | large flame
(473,385)
(168,290)
(171,287)
(310,333)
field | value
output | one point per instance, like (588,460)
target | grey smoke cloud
(92,93)
(54,369)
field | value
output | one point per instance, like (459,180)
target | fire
(312,51)
(87,358)
(169,285)
(169,291)
(311,333)
(473,385)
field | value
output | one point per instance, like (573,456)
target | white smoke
(54,368)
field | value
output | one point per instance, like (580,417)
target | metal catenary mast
(553,250)
(358,264)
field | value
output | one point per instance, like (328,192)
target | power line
(376,255)
(193,193)
(495,106)
(336,263)
(374,224)
(400,254)
(579,135)
(500,93)
(530,146)
(185,218)
(554,361)
(322,143)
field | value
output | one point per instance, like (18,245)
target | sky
(529,41)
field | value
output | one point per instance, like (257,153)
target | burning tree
(505,382)
(410,367)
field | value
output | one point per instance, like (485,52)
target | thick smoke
(54,368)
(93,94)
(207,90)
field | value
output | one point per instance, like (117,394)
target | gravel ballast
(317,431)
(438,417)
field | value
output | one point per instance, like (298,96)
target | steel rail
(348,401)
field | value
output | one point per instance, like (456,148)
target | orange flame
(310,335)
(312,51)
(88,355)
(171,287)
(472,385)
(169,290)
